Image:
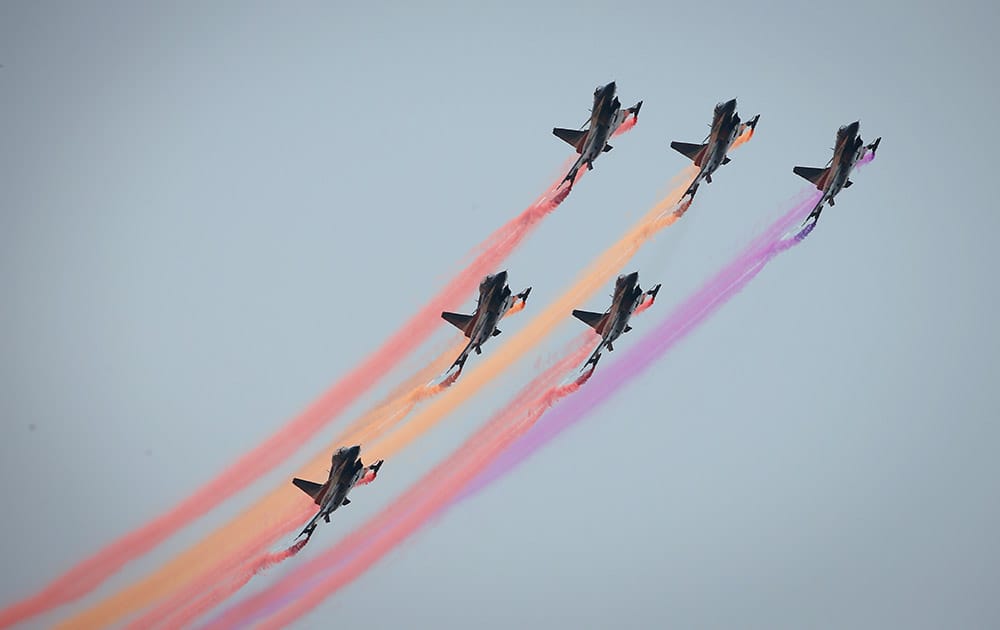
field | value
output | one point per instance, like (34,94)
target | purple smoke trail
(727,283)
(696,309)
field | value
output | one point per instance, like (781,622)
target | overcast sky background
(210,213)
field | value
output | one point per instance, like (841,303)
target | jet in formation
(832,179)
(711,154)
(495,300)
(605,118)
(346,471)
(627,297)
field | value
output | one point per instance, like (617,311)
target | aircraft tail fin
(460,361)
(692,151)
(573,137)
(814,175)
(309,487)
(814,215)
(458,320)
(594,357)
(589,318)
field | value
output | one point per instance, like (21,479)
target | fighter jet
(627,297)
(495,300)
(605,117)
(711,154)
(346,471)
(848,150)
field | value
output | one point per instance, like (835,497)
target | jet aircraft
(605,117)
(832,179)
(346,471)
(627,297)
(711,154)
(495,300)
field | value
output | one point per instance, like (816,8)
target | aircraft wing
(589,318)
(572,136)
(458,320)
(817,176)
(309,487)
(692,151)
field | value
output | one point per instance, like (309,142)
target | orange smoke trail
(192,563)
(250,534)
(596,276)
(223,579)
(231,538)
(88,574)
(169,615)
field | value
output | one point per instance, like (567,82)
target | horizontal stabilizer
(589,318)
(309,487)
(573,137)
(458,320)
(692,151)
(815,175)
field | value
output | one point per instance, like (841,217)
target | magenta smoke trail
(605,382)
(685,318)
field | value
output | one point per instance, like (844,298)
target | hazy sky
(209,214)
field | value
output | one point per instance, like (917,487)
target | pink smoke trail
(727,283)
(88,574)
(343,563)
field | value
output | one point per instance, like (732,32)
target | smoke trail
(91,572)
(685,318)
(543,391)
(727,283)
(169,615)
(192,563)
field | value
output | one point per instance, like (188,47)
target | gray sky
(209,214)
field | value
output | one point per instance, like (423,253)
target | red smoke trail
(90,573)
(169,615)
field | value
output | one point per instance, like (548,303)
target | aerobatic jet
(711,154)
(832,179)
(346,471)
(495,300)
(610,325)
(605,117)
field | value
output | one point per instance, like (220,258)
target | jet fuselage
(725,128)
(604,119)
(626,299)
(495,300)
(848,150)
